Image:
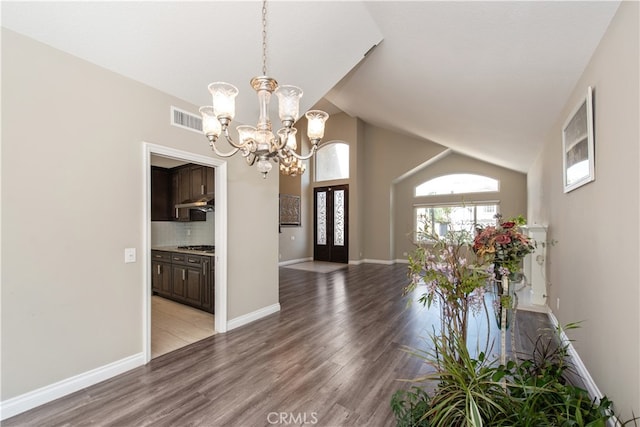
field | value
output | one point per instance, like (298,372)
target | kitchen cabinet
(181,191)
(161,208)
(198,181)
(181,188)
(187,278)
(161,273)
(190,279)
(210,179)
(202,181)
(172,186)
(207,298)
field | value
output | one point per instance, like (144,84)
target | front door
(331,225)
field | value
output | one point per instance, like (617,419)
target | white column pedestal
(535,265)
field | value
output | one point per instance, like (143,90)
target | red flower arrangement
(503,245)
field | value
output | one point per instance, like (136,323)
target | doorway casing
(220,217)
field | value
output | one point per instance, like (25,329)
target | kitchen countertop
(183,251)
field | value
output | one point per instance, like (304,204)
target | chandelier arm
(282,144)
(221,154)
(305,157)
(230,140)
(250,158)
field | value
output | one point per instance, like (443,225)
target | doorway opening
(173,317)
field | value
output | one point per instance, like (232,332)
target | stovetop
(202,248)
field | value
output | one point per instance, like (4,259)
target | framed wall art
(578,155)
(289,210)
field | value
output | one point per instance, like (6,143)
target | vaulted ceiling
(487,79)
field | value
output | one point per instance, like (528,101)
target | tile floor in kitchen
(175,325)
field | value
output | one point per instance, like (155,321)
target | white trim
(591,386)
(355,261)
(401,261)
(379,261)
(236,322)
(220,289)
(32,399)
(294,261)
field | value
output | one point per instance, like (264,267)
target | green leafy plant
(530,392)
(460,390)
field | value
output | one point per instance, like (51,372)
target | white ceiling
(485,78)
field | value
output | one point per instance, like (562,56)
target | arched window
(332,161)
(456,184)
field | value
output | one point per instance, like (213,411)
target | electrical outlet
(404,254)
(557,303)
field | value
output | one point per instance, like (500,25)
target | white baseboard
(17,405)
(294,261)
(236,322)
(591,386)
(402,261)
(379,261)
(356,261)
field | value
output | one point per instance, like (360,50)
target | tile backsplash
(174,233)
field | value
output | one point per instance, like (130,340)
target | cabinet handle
(177,216)
(204,268)
(201,188)
(158,269)
(183,271)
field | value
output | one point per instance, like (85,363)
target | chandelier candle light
(258,144)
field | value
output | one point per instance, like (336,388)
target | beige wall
(72,137)
(512,196)
(383,165)
(340,127)
(387,156)
(593,267)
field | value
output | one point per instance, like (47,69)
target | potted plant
(504,246)
(461,390)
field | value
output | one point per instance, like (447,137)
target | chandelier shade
(258,145)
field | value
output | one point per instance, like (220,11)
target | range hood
(203,203)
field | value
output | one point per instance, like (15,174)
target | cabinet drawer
(160,256)
(178,258)
(194,260)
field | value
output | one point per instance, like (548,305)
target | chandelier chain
(259,145)
(264,37)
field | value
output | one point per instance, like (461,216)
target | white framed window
(457,184)
(440,219)
(332,162)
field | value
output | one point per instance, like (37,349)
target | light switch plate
(129,255)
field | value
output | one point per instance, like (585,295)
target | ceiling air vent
(186,120)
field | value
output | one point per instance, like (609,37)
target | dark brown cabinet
(183,188)
(202,181)
(208,269)
(186,278)
(198,181)
(161,273)
(170,187)
(161,194)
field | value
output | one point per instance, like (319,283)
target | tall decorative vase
(505,297)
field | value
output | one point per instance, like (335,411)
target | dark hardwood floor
(331,357)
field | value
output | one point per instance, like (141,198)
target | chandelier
(259,145)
